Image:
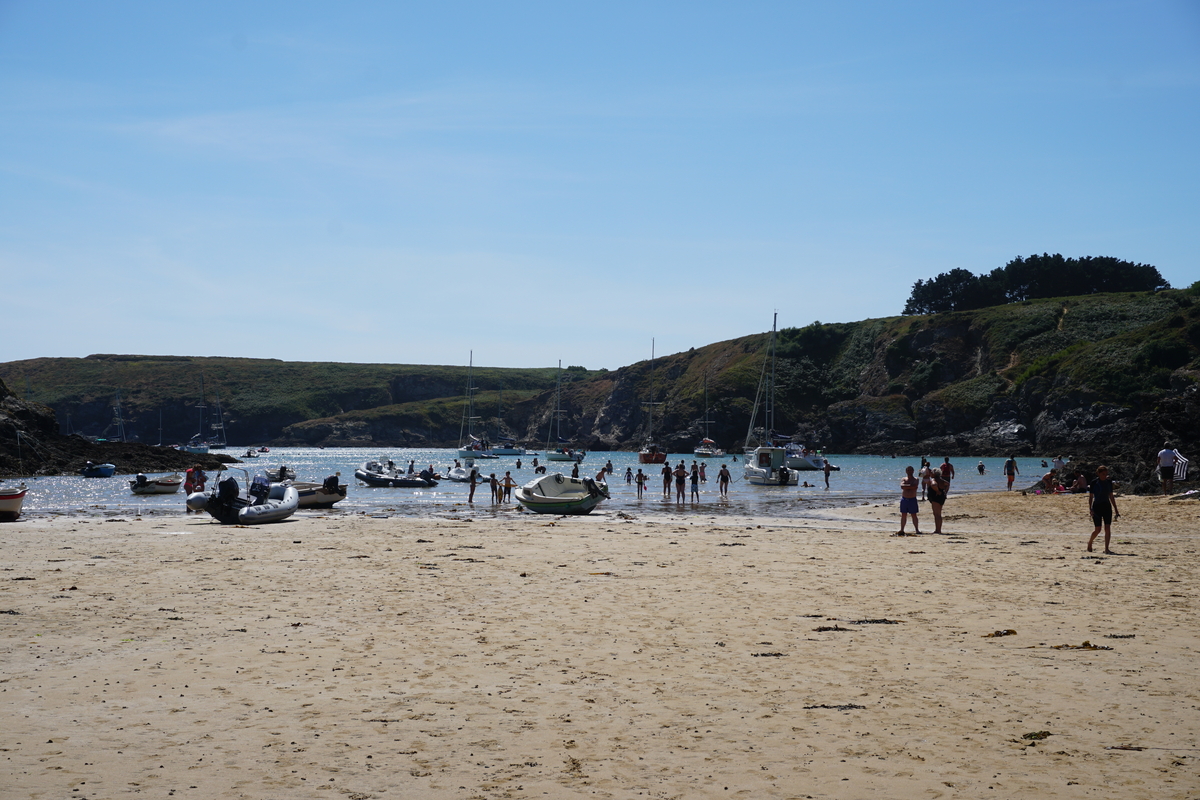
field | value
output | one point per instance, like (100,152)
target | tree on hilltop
(1031,278)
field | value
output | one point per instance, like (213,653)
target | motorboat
(284,473)
(461,473)
(168,484)
(651,454)
(566,453)
(321,495)
(249,454)
(259,503)
(98,470)
(801,458)
(558,494)
(375,473)
(11,500)
(264,449)
(766,466)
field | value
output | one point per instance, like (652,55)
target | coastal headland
(604,656)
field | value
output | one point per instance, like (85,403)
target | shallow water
(861,479)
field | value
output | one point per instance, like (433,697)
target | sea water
(860,479)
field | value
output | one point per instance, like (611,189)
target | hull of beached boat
(167,485)
(558,494)
(11,500)
(315,495)
(281,502)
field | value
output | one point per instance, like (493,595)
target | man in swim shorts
(908,499)
(1166,468)
(1011,471)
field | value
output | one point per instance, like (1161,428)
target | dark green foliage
(1031,278)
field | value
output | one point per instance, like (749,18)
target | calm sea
(861,479)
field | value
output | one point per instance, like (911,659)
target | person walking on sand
(666,473)
(680,474)
(1166,467)
(908,500)
(1011,471)
(723,481)
(923,473)
(695,483)
(1102,505)
(640,480)
(828,469)
(939,487)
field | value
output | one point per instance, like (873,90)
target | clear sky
(406,182)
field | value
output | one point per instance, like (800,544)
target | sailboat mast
(771,394)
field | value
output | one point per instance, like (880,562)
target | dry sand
(600,657)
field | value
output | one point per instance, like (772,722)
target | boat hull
(168,485)
(558,494)
(98,471)
(11,500)
(316,495)
(281,502)
(383,480)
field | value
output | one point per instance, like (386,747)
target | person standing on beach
(939,488)
(508,485)
(695,482)
(1102,505)
(666,473)
(680,474)
(828,469)
(1011,471)
(703,472)
(1166,467)
(495,484)
(723,481)
(640,480)
(908,500)
(474,482)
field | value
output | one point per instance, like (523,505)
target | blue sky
(403,183)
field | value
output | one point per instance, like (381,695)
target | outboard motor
(259,489)
(331,484)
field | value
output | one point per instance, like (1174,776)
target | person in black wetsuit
(1102,505)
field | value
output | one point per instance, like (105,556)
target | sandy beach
(530,656)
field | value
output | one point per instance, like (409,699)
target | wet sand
(601,656)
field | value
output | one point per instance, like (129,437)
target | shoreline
(604,656)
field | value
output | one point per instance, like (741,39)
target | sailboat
(218,428)
(707,447)
(766,464)
(198,444)
(561,451)
(651,453)
(504,446)
(474,446)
